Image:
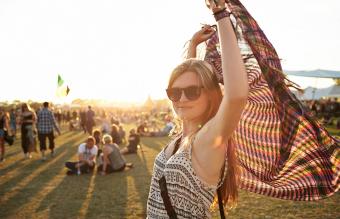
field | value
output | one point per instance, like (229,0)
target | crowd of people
(103,126)
(327,110)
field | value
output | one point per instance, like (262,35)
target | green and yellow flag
(62,89)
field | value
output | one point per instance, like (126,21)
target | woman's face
(190,109)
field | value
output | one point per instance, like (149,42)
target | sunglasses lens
(192,92)
(174,94)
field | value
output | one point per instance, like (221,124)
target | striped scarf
(283,152)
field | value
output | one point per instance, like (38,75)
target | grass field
(36,189)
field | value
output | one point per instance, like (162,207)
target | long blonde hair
(210,83)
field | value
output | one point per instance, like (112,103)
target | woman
(116,138)
(28,120)
(113,160)
(184,177)
(13,121)
(4,126)
(134,140)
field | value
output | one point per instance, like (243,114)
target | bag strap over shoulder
(166,199)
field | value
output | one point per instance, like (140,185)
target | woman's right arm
(106,152)
(200,36)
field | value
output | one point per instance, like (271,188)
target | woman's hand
(215,5)
(202,35)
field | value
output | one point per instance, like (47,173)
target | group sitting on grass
(109,161)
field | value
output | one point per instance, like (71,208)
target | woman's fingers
(215,5)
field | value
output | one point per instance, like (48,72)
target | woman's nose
(183,97)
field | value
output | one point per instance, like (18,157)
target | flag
(62,89)
(60,81)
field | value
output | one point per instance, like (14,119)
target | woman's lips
(183,107)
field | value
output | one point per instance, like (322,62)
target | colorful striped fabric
(283,152)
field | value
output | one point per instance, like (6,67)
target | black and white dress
(189,195)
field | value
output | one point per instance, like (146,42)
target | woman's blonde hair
(26,106)
(210,83)
(107,139)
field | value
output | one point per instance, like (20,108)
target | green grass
(35,189)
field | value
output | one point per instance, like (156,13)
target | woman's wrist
(223,13)
(193,44)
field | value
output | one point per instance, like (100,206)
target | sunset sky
(125,50)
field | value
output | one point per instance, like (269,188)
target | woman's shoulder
(113,146)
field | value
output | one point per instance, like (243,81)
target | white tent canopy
(311,93)
(319,73)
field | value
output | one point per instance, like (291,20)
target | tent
(319,73)
(311,93)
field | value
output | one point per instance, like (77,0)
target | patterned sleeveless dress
(189,195)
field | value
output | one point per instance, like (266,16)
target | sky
(125,50)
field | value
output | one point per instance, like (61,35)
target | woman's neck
(190,127)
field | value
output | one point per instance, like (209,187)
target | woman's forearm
(192,50)
(234,72)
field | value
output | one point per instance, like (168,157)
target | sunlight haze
(125,50)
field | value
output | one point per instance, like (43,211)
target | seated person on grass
(143,130)
(112,159)
(87,158)
(134,140)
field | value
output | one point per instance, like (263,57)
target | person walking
(46,123)
(4,127)
(28,130)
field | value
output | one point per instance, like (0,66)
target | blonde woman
(4,126)
(112,159)
(28,121)
(200,164)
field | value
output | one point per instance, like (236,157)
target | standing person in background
(82,115)
(4,126)
(13,121)
(122,134)
(106,126)
(45,124)
(201,160)
(90,120)
(58,116)
(27,121)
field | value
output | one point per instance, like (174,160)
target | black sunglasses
(191,93)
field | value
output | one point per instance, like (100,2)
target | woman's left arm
(210,141)
(217,131)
